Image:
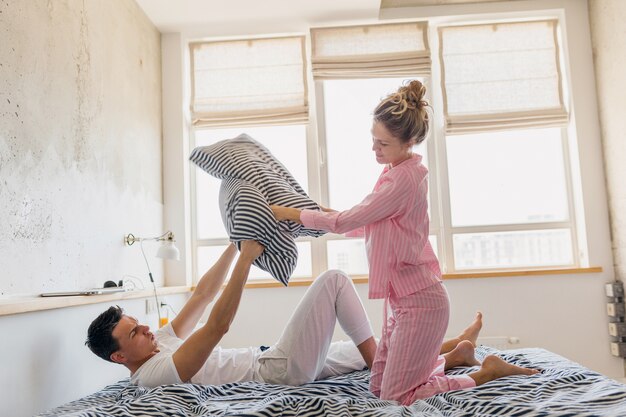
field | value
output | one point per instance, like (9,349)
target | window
(211,238)
(348,107)
(530,185)
(504,143)
(529,192)
(208,255)
(500,186)
(272,137)
(264,95)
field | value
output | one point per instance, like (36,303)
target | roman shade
(370,51)
(501,76)
(249,82)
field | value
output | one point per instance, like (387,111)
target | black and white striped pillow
(253,179)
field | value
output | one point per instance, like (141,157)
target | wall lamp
(167,250)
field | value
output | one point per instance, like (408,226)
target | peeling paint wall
(608,34)
(80,167)
(80,142)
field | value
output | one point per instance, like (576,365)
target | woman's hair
(100,334)
(405,113)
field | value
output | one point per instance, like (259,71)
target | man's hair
(100,338)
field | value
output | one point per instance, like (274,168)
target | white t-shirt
(223,365)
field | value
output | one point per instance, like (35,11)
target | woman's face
(388,148)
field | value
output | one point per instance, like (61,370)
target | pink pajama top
(394,221)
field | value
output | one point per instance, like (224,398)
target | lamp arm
(129,239)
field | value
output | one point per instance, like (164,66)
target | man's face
(136,341)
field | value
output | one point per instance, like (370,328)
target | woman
(403,268)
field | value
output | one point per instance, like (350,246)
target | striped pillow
(253,179)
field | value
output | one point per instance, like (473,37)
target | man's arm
(192,354)
(208,287)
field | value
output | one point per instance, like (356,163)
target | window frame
(444,230)
(197,242)
(440,208)
(520,227)
(324,175)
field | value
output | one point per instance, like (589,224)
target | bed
(564,388)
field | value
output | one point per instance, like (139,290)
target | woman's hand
(326,209)
(286,213)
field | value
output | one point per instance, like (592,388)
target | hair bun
(414,93)
(405,113)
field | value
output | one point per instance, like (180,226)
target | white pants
(304,351)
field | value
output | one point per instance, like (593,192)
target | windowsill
(363,279)
(17,305)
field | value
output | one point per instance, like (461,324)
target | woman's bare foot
(461,355)
(493,368)
(470,333)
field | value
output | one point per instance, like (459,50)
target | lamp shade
(168,251)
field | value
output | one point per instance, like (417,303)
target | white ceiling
(219,17)
(241,17)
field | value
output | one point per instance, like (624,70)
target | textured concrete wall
(608,34)
(80,166)
(80,141)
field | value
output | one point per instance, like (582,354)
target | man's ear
(118,357)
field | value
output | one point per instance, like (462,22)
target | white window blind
(249,82)
(501,76)
(371,51)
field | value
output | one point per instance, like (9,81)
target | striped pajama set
(404,270)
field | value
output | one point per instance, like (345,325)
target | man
(303,353)
(175,355)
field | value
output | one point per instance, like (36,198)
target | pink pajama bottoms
(408,366)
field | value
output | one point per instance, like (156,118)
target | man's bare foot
(471,332)
(461,355)
(493,368)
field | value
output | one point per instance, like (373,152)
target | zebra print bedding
(564,388)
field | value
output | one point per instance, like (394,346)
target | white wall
(45,362)
(608,34)
(563,313)
(80,166)
(80,142)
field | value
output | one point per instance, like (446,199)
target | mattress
(563,388)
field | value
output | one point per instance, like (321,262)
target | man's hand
(251,249)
